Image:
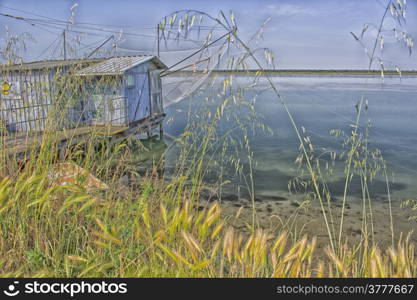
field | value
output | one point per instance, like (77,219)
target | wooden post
(62,151)
(65,46)
(148,131)
(161,131)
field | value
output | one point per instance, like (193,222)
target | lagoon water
(320,104)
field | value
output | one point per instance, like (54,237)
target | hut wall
(104,102)
(136,85)
(156,92)
(65,105)
(26,106)
(143,92)
(37,96)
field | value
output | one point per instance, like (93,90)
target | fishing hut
(75,98)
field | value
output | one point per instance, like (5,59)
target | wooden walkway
(25,141)
(20,143)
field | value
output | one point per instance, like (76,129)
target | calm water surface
(321,104)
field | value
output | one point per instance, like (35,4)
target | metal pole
(157,31)
(101,45)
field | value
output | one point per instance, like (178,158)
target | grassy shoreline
(57,224)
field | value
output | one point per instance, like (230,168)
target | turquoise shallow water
(321,104)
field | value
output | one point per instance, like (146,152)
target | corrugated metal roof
(47,64)
(118,65)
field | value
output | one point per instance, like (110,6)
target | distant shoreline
(306,72)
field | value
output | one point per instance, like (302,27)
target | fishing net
(212,47)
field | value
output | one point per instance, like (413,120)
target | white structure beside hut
(27,92)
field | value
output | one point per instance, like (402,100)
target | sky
(303,34)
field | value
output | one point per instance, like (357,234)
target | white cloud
(288,10)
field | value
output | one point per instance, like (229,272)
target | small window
(130,81)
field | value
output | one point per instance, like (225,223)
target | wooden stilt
(148,131)
(161,131)
(62,151)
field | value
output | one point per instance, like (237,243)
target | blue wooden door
(137,91)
